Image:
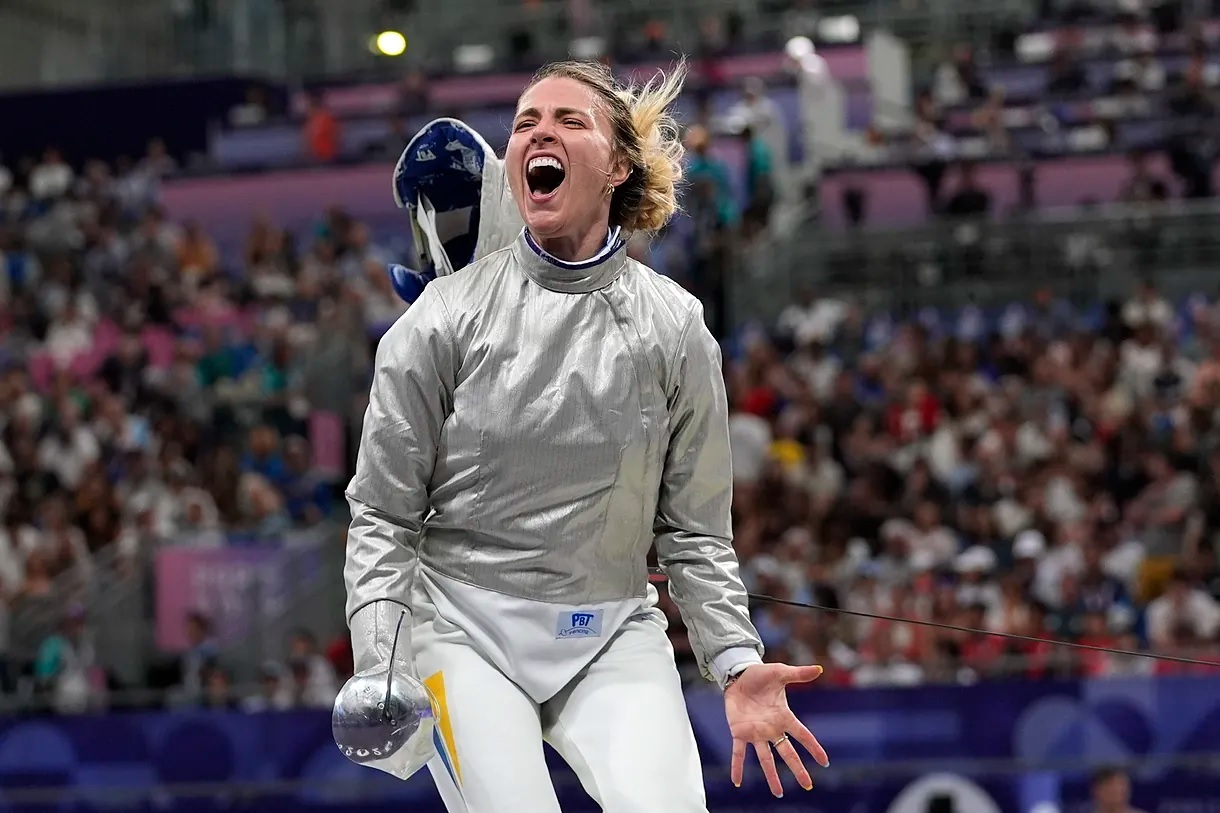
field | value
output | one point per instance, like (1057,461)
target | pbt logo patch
(579,624)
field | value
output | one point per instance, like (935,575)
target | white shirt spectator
(758,111)
(816,321)
(15,545)
(68,454)
(1192,607)
(1011,516)
(826,478)
(194,512)
(1062,503)
(939,542)
(321,686)
(1148,309)
(982,561)
(148,494)
(1032,444)
(1123,561)
(1052,567)
(1139,364)
(819,372)
(51,179)
(943,453)
(67,338)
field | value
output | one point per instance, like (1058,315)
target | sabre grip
(381,632)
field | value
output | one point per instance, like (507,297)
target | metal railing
(114,599)
(1084,255)
(118,596)
(315,603)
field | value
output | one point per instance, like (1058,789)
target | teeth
(543,161)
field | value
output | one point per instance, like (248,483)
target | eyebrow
(560,112)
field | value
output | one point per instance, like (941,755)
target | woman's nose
(542,134)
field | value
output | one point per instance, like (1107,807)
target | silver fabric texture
(535,428)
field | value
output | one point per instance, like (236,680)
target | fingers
(767,760)
(805,737)
(739,762)
(792,759)
(802,674)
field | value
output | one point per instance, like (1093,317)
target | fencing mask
(456,193)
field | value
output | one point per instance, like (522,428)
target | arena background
(964,262)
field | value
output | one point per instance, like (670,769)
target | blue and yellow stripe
(442,734)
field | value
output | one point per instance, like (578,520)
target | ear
(620,171)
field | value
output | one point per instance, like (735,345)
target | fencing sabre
(657,576)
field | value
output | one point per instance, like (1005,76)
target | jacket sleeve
(694,537)
(410,398)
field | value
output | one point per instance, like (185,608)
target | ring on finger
(782,739)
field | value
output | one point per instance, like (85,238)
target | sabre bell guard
(383,716)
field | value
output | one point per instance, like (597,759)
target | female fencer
(537,423)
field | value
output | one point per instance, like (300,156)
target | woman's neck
(573,249)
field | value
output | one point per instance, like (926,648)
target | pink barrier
(328,441)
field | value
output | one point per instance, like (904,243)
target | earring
(609,188)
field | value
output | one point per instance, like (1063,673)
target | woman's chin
(546,223)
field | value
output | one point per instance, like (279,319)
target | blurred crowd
(1034,478)
(1039,479)
(156,393)
(1150,64)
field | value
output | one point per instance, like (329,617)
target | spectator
(272,694)
(322,133)
(303,648)
(969,200)
(66,667)
(253,111)
(1183,605)
(218,692)
(1111,792)
(705,171)
(262,508)
(199,657)
(1159,516)
(52,178)
(759,114)
(157,163)
(958,80)
(308,495)
(759,185)
(935,144)
(1067,77)
(1147,307)
(198,258)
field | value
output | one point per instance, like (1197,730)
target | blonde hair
(645,134)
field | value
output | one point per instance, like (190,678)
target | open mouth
(543,175)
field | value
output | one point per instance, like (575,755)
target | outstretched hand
(756,705)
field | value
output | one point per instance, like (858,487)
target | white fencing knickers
(621,724)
